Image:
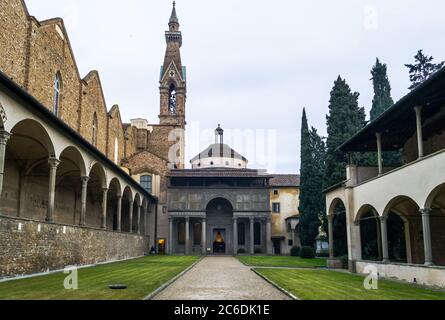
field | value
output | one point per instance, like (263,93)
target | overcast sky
(252,64)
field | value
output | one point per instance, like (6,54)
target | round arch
(98,171)
(363,211)
(31,132)
(74,156)
(334,204)
(433,197)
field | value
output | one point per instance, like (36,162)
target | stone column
(83,208)
(119,213)
(53,164)
(418,111)
(331,236)
(252,236)
(427,236)
(204,236)
(379,152)
(4,137)
(379,239)
(130,210)
(187,235)
(235,236)
(104,208)
(170,236)
(139,219)
(384,229)
(269,235)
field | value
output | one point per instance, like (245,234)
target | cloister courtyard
(213,278)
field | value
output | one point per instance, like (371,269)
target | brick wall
(28,251)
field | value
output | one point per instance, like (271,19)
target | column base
(428,264)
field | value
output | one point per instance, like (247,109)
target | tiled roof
(285,180)
(217,172)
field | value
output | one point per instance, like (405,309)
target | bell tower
(173,89)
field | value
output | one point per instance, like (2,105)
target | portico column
(139,219)
(83,209)
(269,235)
(418,111)
(204,236)
(331,236)
(104,207)
(4,137)
(252,237)
(379,152)
(379,239)
(427,236)
(130,211)
(119,213)
(170,236)
(235,236)
(187,235)
(53,164)
(384,229)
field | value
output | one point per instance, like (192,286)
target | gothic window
(147,183)
(197,234)
(276,207)
(257,233)
(241,234)
(181,233)
(172,100)
(94,137)
(56,97)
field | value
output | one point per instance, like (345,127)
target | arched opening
(172,102)
(370,233)
(144,217)
(404,210)
(338,211)
(26,172)
(197,233)
(114,191)
(181,233)
(127,209)
(396,238)
(219,216)
(257,234)
(136,206)
(68,198)
(96,186)
(436,202)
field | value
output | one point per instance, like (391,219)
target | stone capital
(85,179)
(383,218)
(53,162)
(425,211)
(331,218)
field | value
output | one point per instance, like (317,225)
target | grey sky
(251,64)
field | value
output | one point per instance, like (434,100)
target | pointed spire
(174,17)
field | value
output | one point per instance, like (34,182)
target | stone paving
(221,278)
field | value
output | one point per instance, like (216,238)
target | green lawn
(142,276)
(331,285)
(282,261)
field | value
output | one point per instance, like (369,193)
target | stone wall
(29,247)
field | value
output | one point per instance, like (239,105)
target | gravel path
(221,278)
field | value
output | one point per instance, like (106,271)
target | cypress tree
(311,185)
(381,102)
(345,118)
(382,90)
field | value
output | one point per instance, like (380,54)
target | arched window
(94,138)
(147,183)
(56,94)
(116,150)
(257,233)
(172,100)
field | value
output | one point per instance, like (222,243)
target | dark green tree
(382,90)
(381,102)
(345,118)
(422,69)
(311,185)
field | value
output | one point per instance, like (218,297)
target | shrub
(258,251)
(307,253)
(241,251)
(323,255)
(295,251)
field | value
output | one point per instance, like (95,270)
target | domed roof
(219,151)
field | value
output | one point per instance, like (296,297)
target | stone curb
(171,281)
(290,295)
